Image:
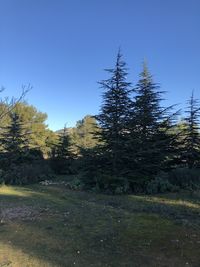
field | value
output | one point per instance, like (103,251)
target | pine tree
(191,151)
(113,116)
(63,146)
(34,122)
(14,140)
(149,127)
(83,135)
(62,156)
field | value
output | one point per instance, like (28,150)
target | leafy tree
(7,104)
(83,135)
(34,121)
(191,151)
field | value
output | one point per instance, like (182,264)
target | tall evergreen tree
(114,114)
(63,146)
(191,151)
(14,140)
(149,126)
(61,154)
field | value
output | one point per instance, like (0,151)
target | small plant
(111,184)
(75,184)
(160,184)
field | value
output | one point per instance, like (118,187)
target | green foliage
(113,116)
(191,135)
(62,149)
(136,138)
(185,178)
(95,172)
(90,165)
(98,181)
(50,143)
(113,184)
(132,145)
(160,184)
(150,139)
(21,158)
(180,178)
(82,135)
(27,173)
(62,156)
(61,165)
(75,184)
(14,140)
(34,122)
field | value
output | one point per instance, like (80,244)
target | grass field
(53,226)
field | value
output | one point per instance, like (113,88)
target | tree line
(141,139)
(134,144)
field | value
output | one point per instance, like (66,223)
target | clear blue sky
(61,47)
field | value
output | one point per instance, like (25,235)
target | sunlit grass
(14,257)
(162,200)
(14,191)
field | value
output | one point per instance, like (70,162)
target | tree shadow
(70,225)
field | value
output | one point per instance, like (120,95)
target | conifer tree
(149,127)
(14,140)
(62,156)
(191,151)
(63,146)
(114,114)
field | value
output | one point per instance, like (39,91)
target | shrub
(138,183)
(185,178)
(27,173)
(108,184)
(75,184)
(160,184)
(181,178)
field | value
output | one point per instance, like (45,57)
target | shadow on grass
(98,230)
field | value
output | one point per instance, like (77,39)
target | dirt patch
(18,213)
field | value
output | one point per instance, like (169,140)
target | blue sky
(61,48)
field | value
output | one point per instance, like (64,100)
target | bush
(108,184)
(160,184)
(181,178)
(75,184)
(27,173)
(138,183)
(185,178)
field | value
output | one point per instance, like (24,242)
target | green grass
(53,226)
